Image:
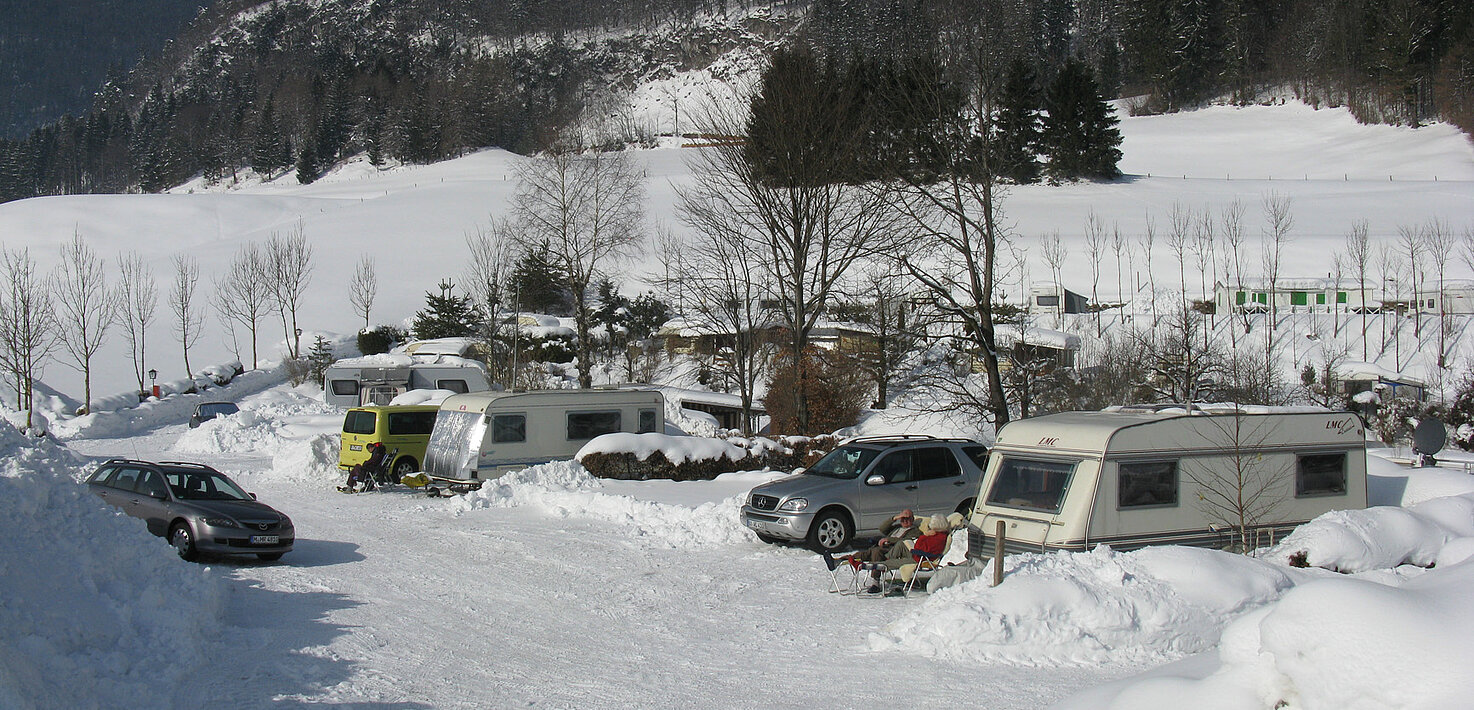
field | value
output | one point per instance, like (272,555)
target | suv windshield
(203,485)
(843,462)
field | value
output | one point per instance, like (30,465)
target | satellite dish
(1429,436)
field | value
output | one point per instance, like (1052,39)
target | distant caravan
(1134,478)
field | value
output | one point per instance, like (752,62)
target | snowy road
(396,600)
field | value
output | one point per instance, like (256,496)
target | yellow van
(403,427)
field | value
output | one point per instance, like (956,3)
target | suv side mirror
(875,479)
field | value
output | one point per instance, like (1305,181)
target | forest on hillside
(291,86)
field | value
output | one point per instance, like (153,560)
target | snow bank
(109,618)
(565,490)
(1379,538)
(153,413)
(1338,642)
(1089,608)
(310,460)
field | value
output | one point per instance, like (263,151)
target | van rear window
(1031,484)
(358,422)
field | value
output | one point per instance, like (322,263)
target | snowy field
(554,589)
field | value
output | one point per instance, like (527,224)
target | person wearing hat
(891,550)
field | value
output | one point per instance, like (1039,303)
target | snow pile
(313,459)
(240,432)
(151,413)
(1088,608)
(565,490)
(426,397)
(107,618)
(676,449)
(1379,538)
(1338,642)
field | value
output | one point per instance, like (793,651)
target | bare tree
(1359,260)
(1204,249)
(288,271)
(1053,250)
(1179,234)
(807,223)
(1185,367)
(488,269)
(1095,245)
(721,281)
(1390,266)
(243,295)
(1148,248)
(1440,243)
(139,298)
(1278,220)
(187,319)
(363,287)
(27,326)
(1232,220)
(1119,244)
(1243,487)
(85,307)
(588,210)
(1410,239)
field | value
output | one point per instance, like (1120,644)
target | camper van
(484,435)
(1129,479)
(378,379)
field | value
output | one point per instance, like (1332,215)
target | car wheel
(269,556)
(404,466)
(183,541)
(831,531)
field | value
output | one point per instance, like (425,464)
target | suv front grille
(762,502)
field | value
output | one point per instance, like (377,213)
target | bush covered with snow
(1382,537)
(641,457)
(109,618)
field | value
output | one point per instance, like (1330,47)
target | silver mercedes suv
(853,489)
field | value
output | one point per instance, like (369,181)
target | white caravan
(1129,479)
(487,434)
(377,379)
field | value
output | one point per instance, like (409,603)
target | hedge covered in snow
(640,457)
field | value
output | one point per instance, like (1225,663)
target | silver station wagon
(851,491)
(198,509)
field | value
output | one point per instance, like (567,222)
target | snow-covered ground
(551,588)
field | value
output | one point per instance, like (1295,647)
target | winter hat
(938,523)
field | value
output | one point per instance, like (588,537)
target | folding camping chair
(864,570)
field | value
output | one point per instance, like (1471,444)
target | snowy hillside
(413,220)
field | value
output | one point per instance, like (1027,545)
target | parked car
(198,509)
(403,429)
(205,411)
(852,490)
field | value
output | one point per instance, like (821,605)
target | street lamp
(297,344)
(152,376)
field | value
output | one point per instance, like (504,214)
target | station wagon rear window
(1320,474)
(1146,484)
(1031,484)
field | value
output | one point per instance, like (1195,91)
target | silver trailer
(484,435)
(1129,479)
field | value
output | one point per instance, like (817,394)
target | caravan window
(345,388)
(1031,484)
(587,425)
(1320,475)
(457,386)
(647,421)
(508,428)
(1148,484)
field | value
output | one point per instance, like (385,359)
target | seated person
(359,474)
(891,550)
(929,546)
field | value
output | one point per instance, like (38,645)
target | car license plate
(355,447)
(265,540)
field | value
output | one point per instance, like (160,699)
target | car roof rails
(188,464)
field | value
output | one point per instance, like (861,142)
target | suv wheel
(830,532)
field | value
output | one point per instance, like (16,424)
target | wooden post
(998,554)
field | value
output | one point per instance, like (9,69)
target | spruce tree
(1016,149)
(535,285)
(447,315)
(1080,133)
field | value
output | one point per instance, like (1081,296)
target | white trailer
(1129,479)
(378,379)
(485,435)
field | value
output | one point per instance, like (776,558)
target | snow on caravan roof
(1140,432)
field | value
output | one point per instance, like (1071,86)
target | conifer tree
(447,315)
(1016,149)
(535,285)
(1080,133)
